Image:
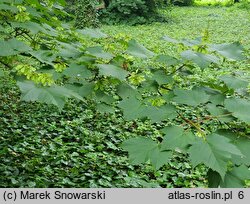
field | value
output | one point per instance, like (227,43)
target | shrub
(182,2)
(131,11)
(84,13)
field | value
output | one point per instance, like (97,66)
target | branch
(5,64)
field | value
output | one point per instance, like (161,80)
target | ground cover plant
(179,105)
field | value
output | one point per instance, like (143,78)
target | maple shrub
(52,62)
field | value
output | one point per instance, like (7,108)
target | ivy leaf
(138,50)
(139,149)
(75,70)
(234,82)
(176,137)
(93,33)
(214,153)
(190,97)
(240,108)
(233,51)
(112,70)
(98,52)
(55,95)
(1,73)
(217,99)
(202,60)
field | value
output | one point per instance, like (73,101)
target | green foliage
(214,2)
(131,12)
(84,12)
(77,147)
(107,76)
(182,2)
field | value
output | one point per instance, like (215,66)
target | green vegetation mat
(80,147)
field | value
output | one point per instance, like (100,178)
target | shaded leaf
(161,78)
(236,177)
(168,39)
(56,95)
(176,137)
(234,82)
(113,71)
(215,153)
(219,112)
(202,60)
(139,149)
(75,70)
(190,97)
(99,53)
(93,33)
(134,108)
(240,108)
(138,50)
(159,158)
(142,149)
(233,51)
(168,60)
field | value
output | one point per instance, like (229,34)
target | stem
(5,64)
(190,122)
(179,68)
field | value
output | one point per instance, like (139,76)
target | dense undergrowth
(79,147)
